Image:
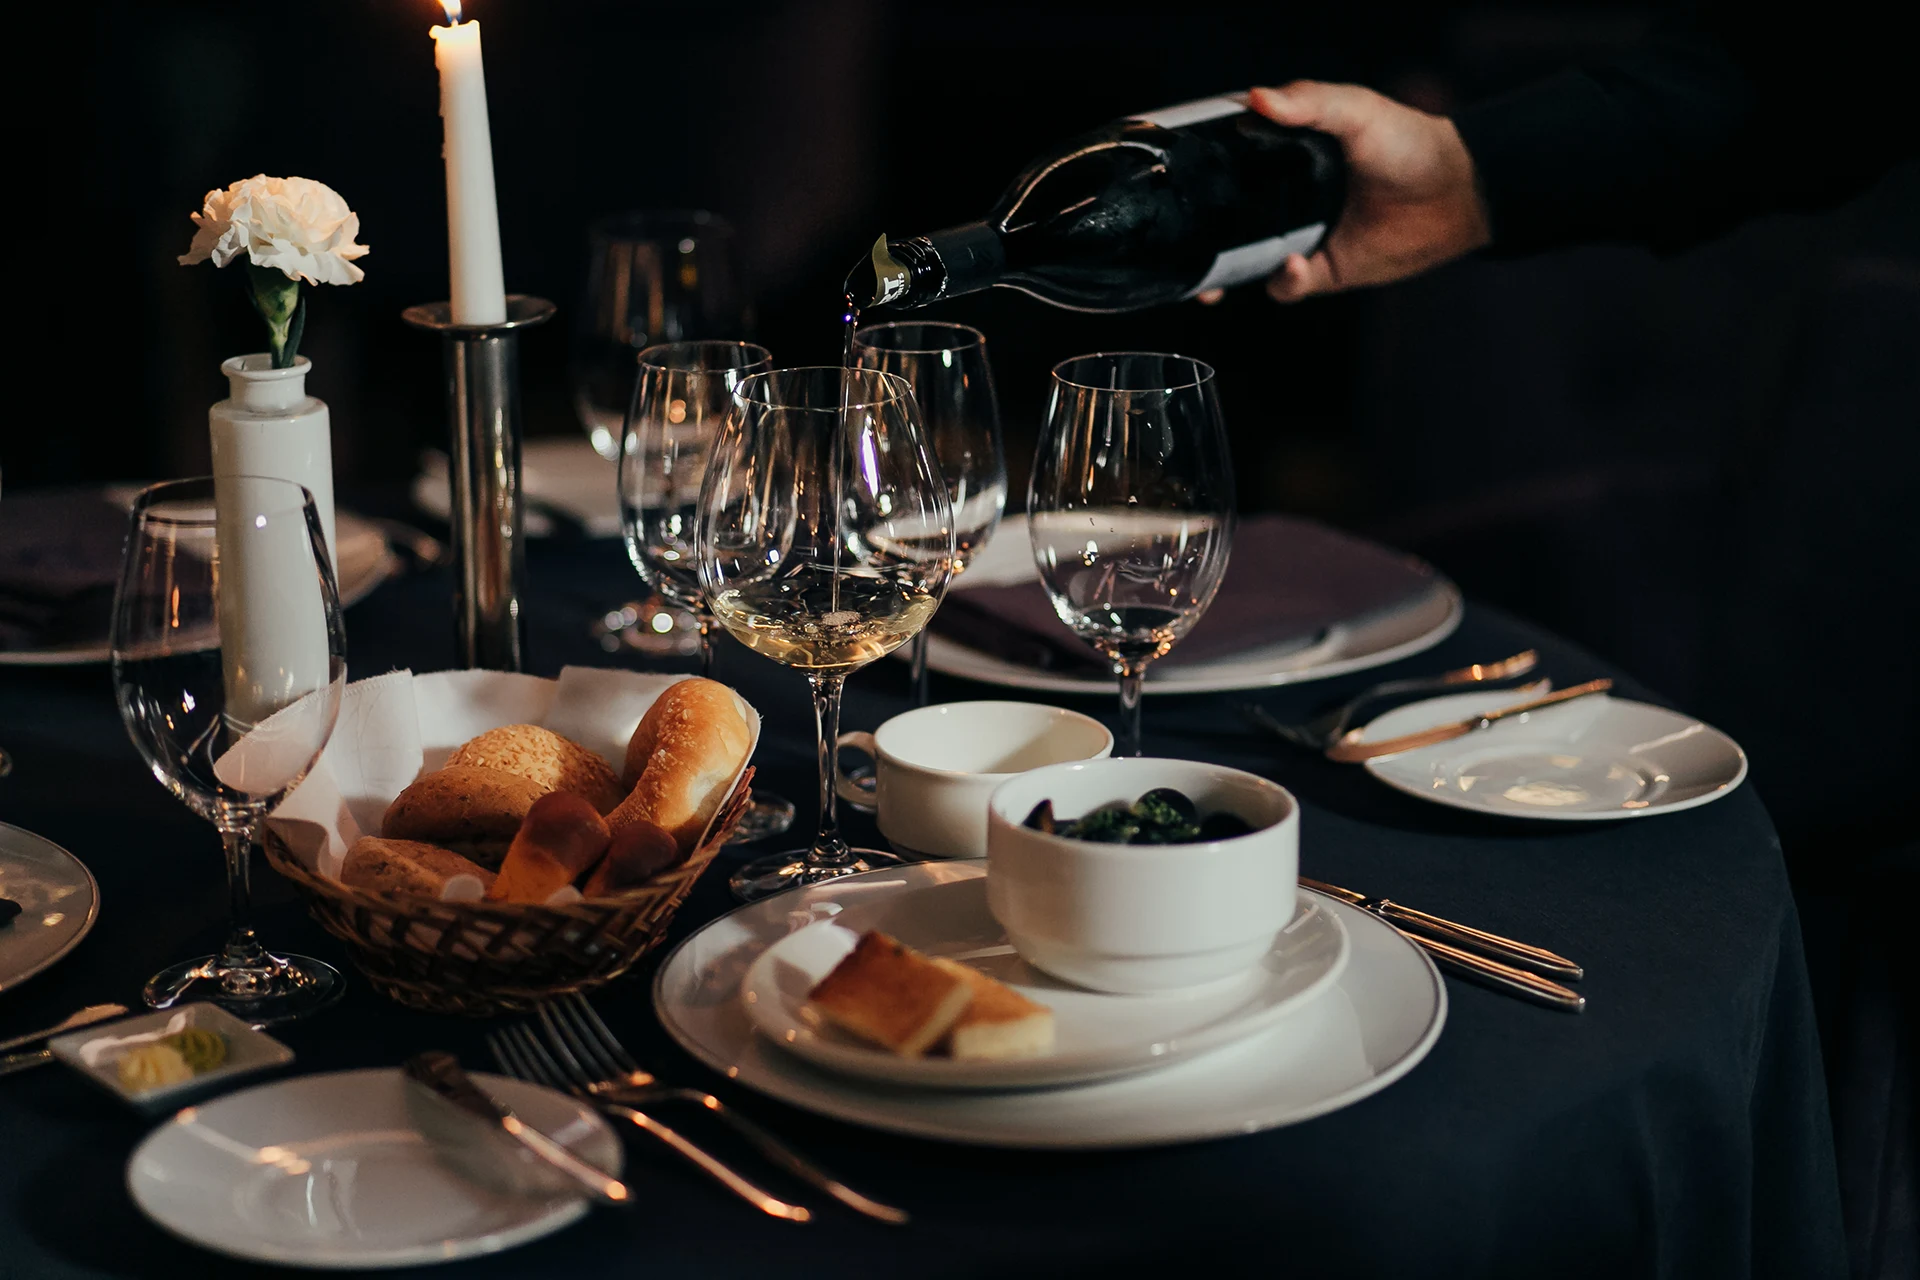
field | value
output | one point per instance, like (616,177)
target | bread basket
(477,959)
(485,958)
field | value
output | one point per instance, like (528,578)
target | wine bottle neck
(912,273)
(972,255)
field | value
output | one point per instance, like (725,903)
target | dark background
(1703,467)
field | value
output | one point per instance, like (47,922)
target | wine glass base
(297,986)
(790,870)
(767,815)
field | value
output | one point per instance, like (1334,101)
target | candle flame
(453,11)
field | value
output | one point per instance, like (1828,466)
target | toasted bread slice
(999,1021)
(892,995)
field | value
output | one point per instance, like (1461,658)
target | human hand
(1411,200)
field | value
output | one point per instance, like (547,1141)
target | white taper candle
(479,291)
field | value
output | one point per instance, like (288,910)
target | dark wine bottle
(1150,209)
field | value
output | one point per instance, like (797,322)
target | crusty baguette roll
(543,756)
(466,808)
(407,866)
(999,1021)
(892,995)
(683,758)
(638,851)
(561,838)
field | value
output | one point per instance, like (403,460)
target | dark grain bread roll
(472,810)
(407,866)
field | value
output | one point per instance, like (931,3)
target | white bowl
(1136,919)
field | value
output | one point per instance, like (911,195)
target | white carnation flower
(295,225)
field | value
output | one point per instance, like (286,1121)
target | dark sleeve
(1691,132)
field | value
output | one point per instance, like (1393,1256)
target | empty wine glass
(229,661)
(816,516)
(652,277)
(1131,507)
(682,396)
(946,365)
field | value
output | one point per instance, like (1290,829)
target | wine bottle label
(1194,112)
(1259,259)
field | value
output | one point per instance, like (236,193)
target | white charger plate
(1369,1028)
(365,562)
(1594,759)
(1371,642)
(328,1172)
(58,898)
(1096,1035)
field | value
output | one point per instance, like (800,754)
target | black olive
(1041,819)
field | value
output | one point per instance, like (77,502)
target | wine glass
(229,662)
(816,518)
(1130,508)
(680,399)
(652,277)
(946,365)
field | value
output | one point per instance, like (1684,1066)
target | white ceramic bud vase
(269,426)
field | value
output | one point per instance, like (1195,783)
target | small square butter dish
(161,1060)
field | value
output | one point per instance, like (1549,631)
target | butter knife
(483,1140)
(1351,749)
(1538,959)
(1502,977)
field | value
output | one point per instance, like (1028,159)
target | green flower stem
(276,296)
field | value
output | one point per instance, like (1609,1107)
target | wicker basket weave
(485,958)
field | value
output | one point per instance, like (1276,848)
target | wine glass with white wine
(812,482)
(1131,508)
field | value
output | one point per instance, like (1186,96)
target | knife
(483,1140)
(1350,748)
(1503,977)
(1538,959)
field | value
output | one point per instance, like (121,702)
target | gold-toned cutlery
(1351,748)
(1406,919)
(12,1062)
(1324,729)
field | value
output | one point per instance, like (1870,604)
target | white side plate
(58,899)
(1370,1027)
(1095,1035)
(1590,760)
(326,1171)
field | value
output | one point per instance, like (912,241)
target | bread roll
(543,756)
(638,851)
(466,808)
(561,838)
(407,866)
(683,758)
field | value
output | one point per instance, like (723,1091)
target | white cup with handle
(935,767)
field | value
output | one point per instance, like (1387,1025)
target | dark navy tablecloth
(1677,1129)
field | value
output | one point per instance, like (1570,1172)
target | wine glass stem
(828,849)
(1133,681)
(704,621)
(242,951)
(919,656)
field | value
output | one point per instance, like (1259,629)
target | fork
(1320,732)
(600,1067)
(517,1051)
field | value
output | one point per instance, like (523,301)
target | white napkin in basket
(394,727)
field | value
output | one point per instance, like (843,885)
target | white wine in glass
(814,471)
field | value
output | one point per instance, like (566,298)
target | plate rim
(1135,1062)
(802,1098)
(563,1216)
(1655,809)
(86,926)
(940,649)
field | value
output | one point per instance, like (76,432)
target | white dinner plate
(327,1171)
(365,562)
(1589,760)
(1369,1028)
(1095,1034)
(58,903)
(1347,646)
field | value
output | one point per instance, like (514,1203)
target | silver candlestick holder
(483,473)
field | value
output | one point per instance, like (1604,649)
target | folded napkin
(59,559)
(1287,581)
